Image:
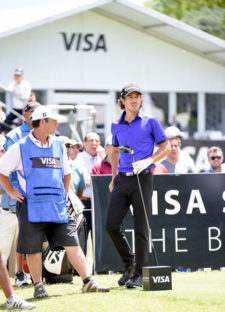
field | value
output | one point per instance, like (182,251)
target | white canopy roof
(17,16)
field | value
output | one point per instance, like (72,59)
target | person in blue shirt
(140,132)
(9,204)
(215,158)
(20,132)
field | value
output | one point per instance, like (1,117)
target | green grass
(192,292)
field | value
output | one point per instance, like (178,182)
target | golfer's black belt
(130,174)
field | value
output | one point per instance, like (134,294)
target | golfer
(44,177)
(140,132)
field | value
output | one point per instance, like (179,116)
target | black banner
(187,221)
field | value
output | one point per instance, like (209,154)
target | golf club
(129,150)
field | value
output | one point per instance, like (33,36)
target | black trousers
(125,193)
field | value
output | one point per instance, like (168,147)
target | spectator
(88,158)
(20,91)
(13,303)
(9,204)
(104,167)
(32,97)
(8,220)
(23,130)
(77,172)
(175,123)
(159,169)
(215,158)
(177,161)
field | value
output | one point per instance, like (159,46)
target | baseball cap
(31,106)
(130,88)
(18,71)
(172,132)
(108,140)
(43,112)
(72,142)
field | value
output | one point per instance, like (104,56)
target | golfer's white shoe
(93,286)
(15,303)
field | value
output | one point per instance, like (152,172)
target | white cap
(43,112)
(172,132)
(18,71)
(73,142)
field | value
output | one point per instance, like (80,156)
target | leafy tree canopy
(207,15)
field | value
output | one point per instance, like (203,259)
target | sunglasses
(215,157)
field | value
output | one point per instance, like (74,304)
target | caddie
(41,162)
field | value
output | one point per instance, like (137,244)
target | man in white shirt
(88,158)
(20,91)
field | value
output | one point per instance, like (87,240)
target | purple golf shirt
(141,134)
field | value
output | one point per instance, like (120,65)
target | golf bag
(56,266)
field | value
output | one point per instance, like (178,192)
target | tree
(208,20)
(207,15)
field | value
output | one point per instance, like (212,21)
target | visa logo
(48,161)
(161,279)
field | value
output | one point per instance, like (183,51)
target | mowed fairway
(192,292)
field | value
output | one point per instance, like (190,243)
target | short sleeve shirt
(77,176)
(140,134)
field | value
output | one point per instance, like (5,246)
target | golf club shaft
(147,222)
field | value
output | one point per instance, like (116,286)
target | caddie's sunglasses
(215,157)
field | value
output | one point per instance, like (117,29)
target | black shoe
(126,275)
(135,281)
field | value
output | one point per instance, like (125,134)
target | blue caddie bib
(44,175)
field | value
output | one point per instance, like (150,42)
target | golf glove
(141,165)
